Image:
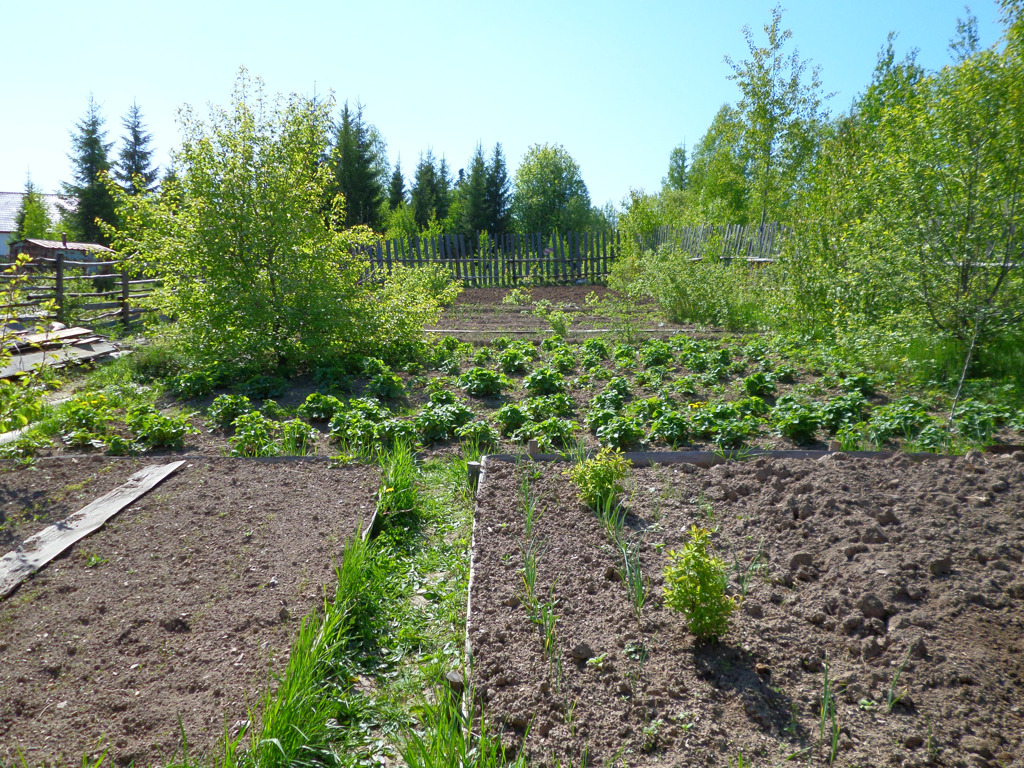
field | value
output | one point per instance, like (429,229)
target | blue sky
(618,85)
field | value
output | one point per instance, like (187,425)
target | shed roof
(10,203)
(57,245)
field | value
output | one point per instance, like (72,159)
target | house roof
(10,203)
(57,245)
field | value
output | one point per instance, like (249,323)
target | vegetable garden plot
(183,606)
(890,590)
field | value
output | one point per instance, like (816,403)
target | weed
(755,566)
(893,696)
(695,582)
(828,722)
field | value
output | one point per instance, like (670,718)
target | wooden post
(126,315)
(60,286)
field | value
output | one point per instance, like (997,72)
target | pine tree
(396,189)
(431,190)
(474,194)
(135,170)
(360,168)
(497,194)
(32,219)
(90,159)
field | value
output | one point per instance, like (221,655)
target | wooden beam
(38,550)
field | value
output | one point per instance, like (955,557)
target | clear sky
(617,84)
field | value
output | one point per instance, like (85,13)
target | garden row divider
(38,550)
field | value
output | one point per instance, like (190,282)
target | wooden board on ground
(71,354)
(40,549)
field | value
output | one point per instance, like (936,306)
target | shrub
(393,431)
(192,384)
(254,436)
(513,360)
(540,408)
(620,432)
(598,417)
(695,582)
(544,381)
(562,360)
(482,382)
(796,420)
(550,434)
(319,407)
(226,408)
(599,480)
(83,419)
(352,428)
(596,347)
(152,429)
(759,385)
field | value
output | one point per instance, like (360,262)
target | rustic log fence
(95,293)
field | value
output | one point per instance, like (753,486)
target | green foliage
(550,195)
(620,432)
(483,382)
(514,360)
(33,217)
(359,169)
(226,408)
(153,429)
(544,381)
(439,421)
(797,420)
(479,433)
(135,171)
(671,427)
(655,352)
(386,386)
(842,411)
(83,418)
(599,479)
(90,163)
(319,406)
(759,384)
(254,436)
(695,584)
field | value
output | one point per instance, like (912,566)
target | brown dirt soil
(182,606)
(482,310)
(867,563)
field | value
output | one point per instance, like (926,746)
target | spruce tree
(32,218)
(396,190)
(360,168)
(497,194)
(135,170)
(474,194)
(90,158)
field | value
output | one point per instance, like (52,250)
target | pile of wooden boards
(57,348)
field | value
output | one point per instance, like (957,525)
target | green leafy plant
(510,418)
(386,386)
(319,407)
(797,420)
(672,427)
(599,480)
(544,381)
(695,585)
(655,352)
(480,433)
(152,429)
(254,436)
(298,438)
(759,385)
(483,382)
(226,408)
(439,421)
(620,432)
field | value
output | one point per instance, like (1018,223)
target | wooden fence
(502,260)
(93,293)
(757,244)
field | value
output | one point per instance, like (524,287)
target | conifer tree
(396,189)
(90,158)
(431,189)
(135,171)
(360,168)
(474,194)
(32,218)
(497,194)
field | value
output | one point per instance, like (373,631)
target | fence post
(60,286)
(125,309)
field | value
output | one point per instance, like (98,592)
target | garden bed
(172,619)
(902,579)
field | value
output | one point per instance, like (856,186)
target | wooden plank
(35,339)
(59,357)
(40,549)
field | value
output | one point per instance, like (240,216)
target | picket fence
(562,258)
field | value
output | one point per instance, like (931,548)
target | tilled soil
(865,565)
(171,619)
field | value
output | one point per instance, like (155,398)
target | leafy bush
(319,407)
(480,433)
(540,408)
(563,361)
(298,438)
(655,352)
(599,480)
(226,408)
(904,418)
(352,428)
(620,432)
(192,384)
(254,436)
(544,381)
(695,582)
(730,435)
(860,383)
(83,419)
(671,427)
(842,411)
(977,421)
(596,347)
(386,386)
(759,385)
(598,417)
(797,420)
(550,434)
(483,382)
(513,360)
(752,406)
(510,418)
(152,429)
(624,355)
(785,374)
(439,421)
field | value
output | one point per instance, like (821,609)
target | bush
(437,421)
(254,436)
(695,582)
(482,382)
(480,433)
(510,418)
(599,480)
(671,427)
